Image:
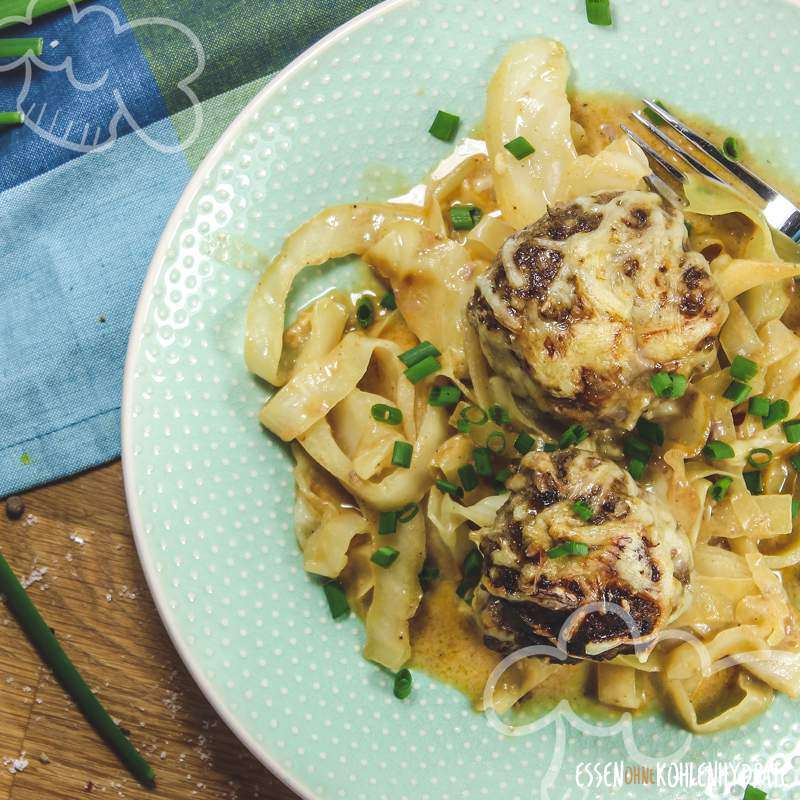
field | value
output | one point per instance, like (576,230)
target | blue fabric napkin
(78,226)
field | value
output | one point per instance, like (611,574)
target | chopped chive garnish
(456,492)
(444,395)
(418,353)
(720,487)
(716,451)
(407,512)
(428,575)
(791,430)
(498,414)
(795,462)
(637,448)
(385,556)
(520,148)
(753,482)
(444,126)
(365,311)
(465,217)
(13,48)
(650,431)
(11,118)
(751,793)
(795,508)
(661,384)
(568,549)
(45,641)
(549,447)
(743,369)
(483,461)
(474,415)
(759,457)
(731,149)
(653,116)
(759,406)
(503,475)
(337,599)
(636,467)
(778,410)
(471,571)
(401,454)
(468,477)
(573,435)
(524,443)
(496,442)
(598,12)
(387,522)
(737,392)
(402,684)
(462,426)
(389,302)
(582,510)
(388,414)
(679,384)
(422,369)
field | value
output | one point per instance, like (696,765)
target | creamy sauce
(446,641)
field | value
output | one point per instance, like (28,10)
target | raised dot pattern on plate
(213,493)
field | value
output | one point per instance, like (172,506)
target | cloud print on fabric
(91,110)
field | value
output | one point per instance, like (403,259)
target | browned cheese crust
(638,560)
(580,308)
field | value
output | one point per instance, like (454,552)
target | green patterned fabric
(244,40)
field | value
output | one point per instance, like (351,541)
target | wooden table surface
(75,544)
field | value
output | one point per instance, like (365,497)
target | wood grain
(94,595)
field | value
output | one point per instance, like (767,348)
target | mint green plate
(210,493)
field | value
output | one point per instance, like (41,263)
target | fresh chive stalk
(15,48)
(43,638)
(14,11)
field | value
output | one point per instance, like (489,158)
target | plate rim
(143,304)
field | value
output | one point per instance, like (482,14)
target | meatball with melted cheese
(580,308)
(637,565)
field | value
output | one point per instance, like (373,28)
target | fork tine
(763,190)
(676,148)
(654,156)
(661,187)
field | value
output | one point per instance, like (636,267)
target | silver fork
(780,213)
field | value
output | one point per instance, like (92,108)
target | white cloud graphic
(95,143)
